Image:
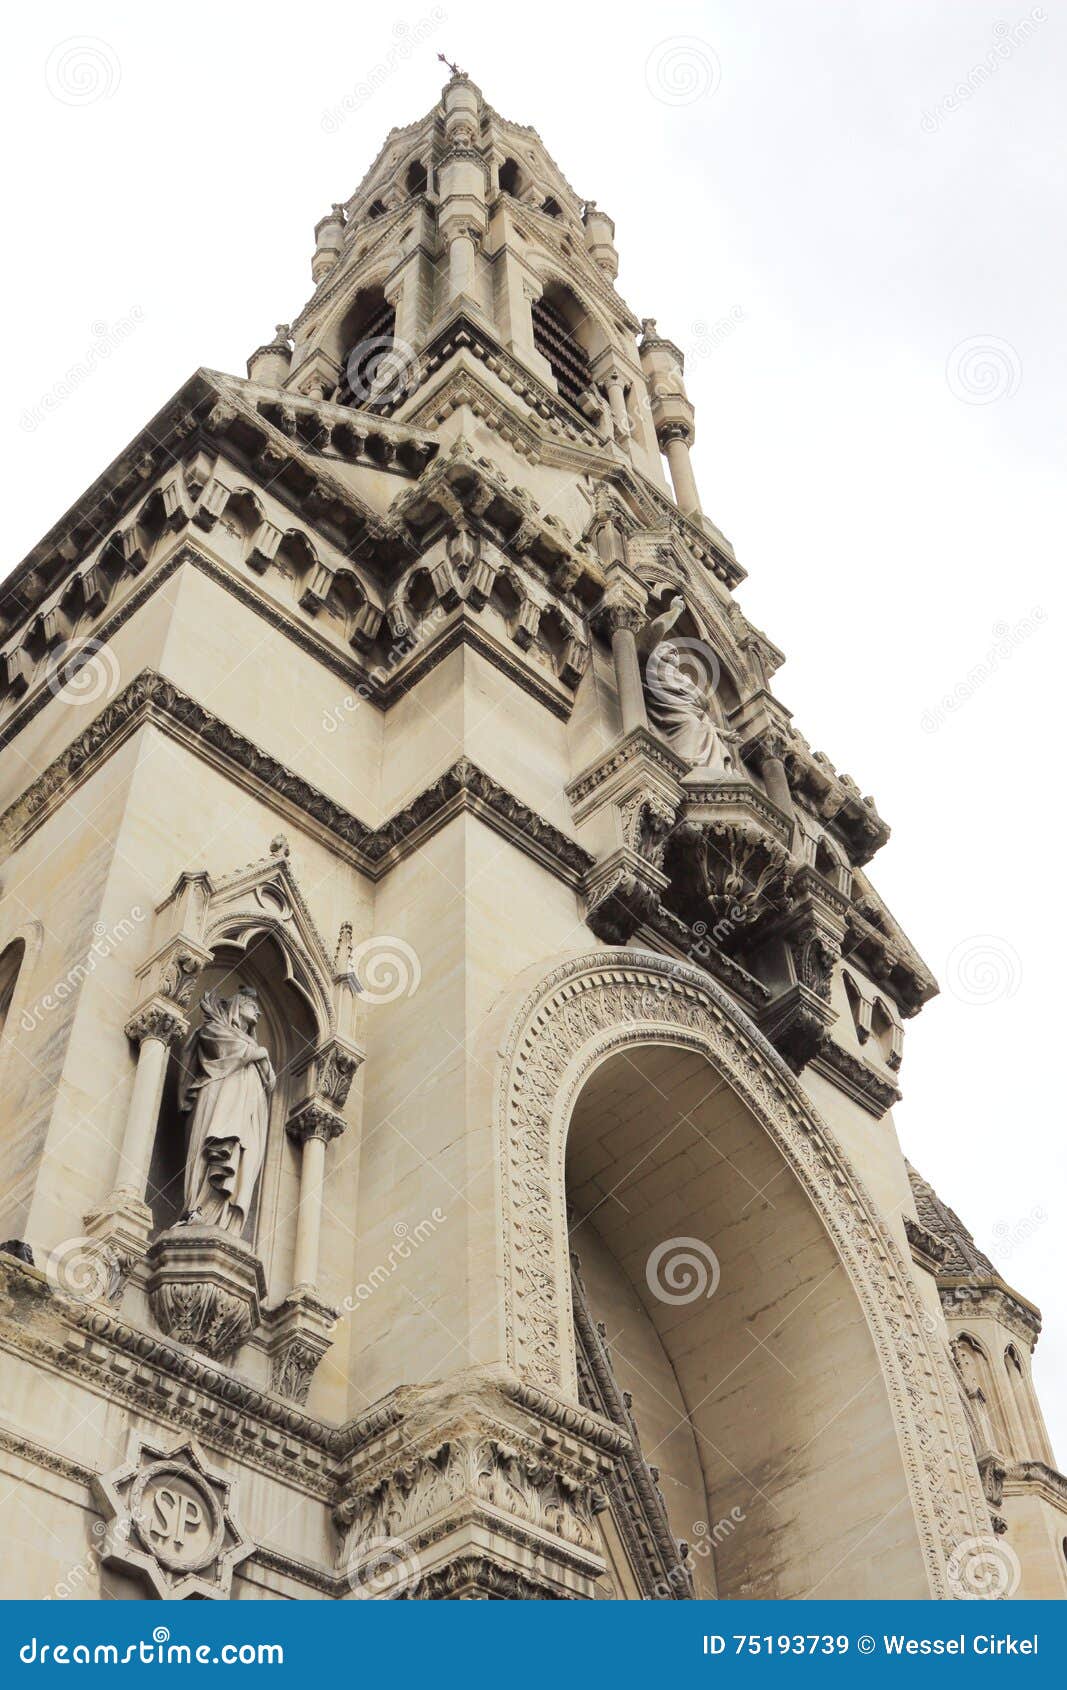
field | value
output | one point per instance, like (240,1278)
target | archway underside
(817,1287)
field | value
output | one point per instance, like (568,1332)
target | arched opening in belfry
(367,341)
(286,1029)
(730,1322)
(415,179)
(562,332)
(510,178)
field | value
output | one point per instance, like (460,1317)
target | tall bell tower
(450,1034)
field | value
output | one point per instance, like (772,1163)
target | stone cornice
(461,630)
(962,1296)
(856,1079)
(1024,1478)
(151,698)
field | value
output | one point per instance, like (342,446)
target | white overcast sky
(856,233)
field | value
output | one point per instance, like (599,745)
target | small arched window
(415,180)
(558,320)
(551,207)
(378,209)
(369,367)
(510,178)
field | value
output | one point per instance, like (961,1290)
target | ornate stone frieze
(856,1078)
(92,1343)
(151,698)
(472,1470)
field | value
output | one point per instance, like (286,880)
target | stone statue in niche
(226,1082)
(680,677)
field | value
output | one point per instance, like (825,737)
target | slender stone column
(772,768)
(461,250)
(675,443)
(154,1030)
(312,1126)
(628,671)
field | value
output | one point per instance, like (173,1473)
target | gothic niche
(224,1174)
(682,680)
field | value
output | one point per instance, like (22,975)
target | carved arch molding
(600,1003)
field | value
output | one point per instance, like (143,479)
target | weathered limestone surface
(581,1258)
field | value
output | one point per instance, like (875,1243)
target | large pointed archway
(605,1004)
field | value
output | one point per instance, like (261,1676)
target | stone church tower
(450,1032)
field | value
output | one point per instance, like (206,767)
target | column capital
(675,430)
(160,1019)
(314,1119)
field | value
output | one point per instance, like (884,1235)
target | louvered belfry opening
(370,359)
(554,341)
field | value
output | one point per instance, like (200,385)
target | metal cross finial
(453,68)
